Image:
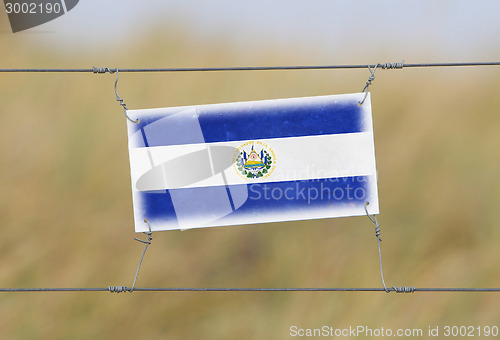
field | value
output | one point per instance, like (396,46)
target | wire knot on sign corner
(374,220)
(102,70)
(368,82)
(371,78)
(147,243)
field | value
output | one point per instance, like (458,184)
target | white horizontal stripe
(296,158)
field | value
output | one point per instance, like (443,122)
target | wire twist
(368,83)
(117,289)
(404,289)
(120,100)
(371,78)
(147,242)
(377,234)
(374,220)
(102,70)
(392,66)
(379,239)
(122,289)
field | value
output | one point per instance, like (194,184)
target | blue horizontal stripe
(244,121)
(276,199)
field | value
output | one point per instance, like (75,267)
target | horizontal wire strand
(249,68)
(125,289)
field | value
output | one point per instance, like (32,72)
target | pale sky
(423,30)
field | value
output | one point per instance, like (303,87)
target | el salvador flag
(252,162)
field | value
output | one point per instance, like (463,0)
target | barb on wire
(117,289)
(103,70)
(392,66)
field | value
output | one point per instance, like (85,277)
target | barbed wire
(398,65)
(120,289)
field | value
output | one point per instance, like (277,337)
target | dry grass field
(66,208)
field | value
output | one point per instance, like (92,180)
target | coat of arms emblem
(254,160)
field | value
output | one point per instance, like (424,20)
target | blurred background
(65,197)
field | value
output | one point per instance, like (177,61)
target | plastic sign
(252,162)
